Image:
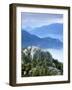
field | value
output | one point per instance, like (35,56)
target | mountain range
(54,30)
(28,39)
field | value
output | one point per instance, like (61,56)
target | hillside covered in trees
(37,62)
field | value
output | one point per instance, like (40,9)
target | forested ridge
(36,62)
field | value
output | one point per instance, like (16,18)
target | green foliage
(59,65)
(42,64)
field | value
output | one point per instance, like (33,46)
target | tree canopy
(42,64)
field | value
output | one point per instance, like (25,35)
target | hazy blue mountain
(28,28)
(53,30)
(33,40)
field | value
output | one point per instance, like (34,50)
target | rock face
(31,49)
(36,52)
(54,70)
(38,62)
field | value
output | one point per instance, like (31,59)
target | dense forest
(36,62)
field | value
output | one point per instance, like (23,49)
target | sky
(33,20)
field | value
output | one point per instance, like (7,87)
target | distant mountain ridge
(28,39)
(54,30)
